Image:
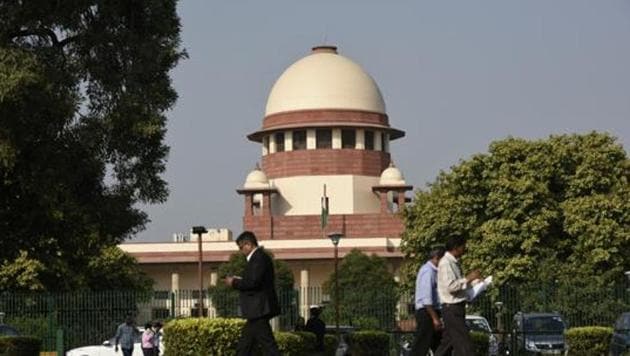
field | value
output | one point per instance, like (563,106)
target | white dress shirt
(452,285)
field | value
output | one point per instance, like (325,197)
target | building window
(324,138)
(299,140)
(279,138)
(266,143)
(384,142)
(348,138)
(369,140)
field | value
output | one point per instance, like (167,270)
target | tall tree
(367,292)
(546,211)
(84,85)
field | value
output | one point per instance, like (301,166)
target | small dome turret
(392,176)
(256,179)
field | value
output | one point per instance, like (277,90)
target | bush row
(219,336)
(588,340)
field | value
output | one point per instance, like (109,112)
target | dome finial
(324,49)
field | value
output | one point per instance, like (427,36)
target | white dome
(256,179)
(325,80)
(391,176)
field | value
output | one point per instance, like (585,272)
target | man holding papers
(453,290)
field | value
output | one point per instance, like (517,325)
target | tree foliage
(545,211)
(367,292)
(84,86)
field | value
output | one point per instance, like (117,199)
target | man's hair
(437,251)
(247,236)
(455,241)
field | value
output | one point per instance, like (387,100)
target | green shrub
(366,323)
(290,344)
(481,343)
(330,345)
(588,340)
(202,336)
(19,346)
(368,343)
(308,340)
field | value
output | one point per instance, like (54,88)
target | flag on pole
(324,216)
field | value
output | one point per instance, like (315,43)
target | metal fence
(89,318)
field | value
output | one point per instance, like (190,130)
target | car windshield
(547,324)
(478,325)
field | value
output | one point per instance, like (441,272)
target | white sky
(455,75)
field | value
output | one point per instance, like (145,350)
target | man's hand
(228,280)
(473,275)
(437,324)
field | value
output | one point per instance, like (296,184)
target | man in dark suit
(258,299)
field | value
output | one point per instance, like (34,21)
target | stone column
(304,293)
(175,309)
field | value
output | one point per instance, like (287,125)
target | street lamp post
(200,230)
(335,237)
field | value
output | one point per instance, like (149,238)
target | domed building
(325,137)
(325,168)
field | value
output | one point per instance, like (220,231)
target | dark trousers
(455,336)
(127,352)
(257,331)
(426,336)
(148,352)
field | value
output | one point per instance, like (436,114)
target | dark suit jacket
(257,290)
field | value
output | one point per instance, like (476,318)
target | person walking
(157,326)
(147,340)
(317,327)
(125,335)
(427,305)
(258,298)
(452,291)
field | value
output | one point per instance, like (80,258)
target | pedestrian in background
(147,340)
(427,305)
(317,327)
(453,292)
(157,332)
(125,335)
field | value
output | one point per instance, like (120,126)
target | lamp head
(335,237)
(199,230)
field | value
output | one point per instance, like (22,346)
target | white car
(480,324)
(107,348)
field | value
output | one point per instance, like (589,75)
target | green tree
(552,212)
(84,86)
(367,292)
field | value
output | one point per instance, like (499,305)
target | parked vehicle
(538,334)
(7,330)
(107,348)
(480,324)
(620,341)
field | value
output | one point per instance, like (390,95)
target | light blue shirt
(426,287)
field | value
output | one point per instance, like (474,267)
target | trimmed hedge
(481,343)
(20,345)
(588,340)
(202,336)
(368,343)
